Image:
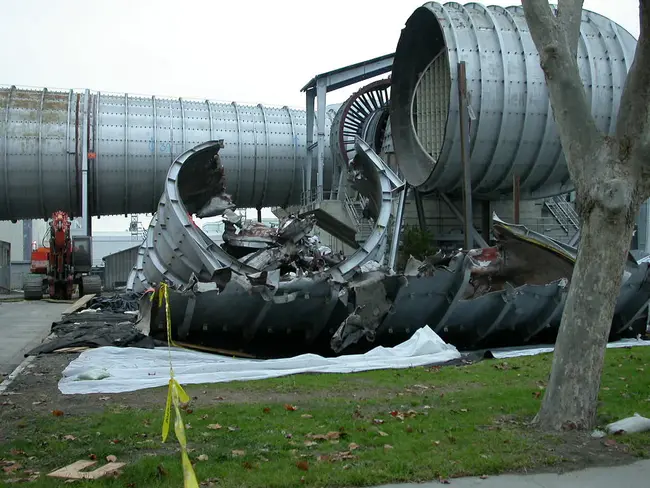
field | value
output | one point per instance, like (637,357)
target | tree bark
(571,397)
(608,173)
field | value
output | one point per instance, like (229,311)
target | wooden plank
(73,471)
(78,305)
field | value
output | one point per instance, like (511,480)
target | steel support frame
(465,156)
(475,236)
(316,91)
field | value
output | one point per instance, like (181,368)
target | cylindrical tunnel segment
(131,141)
(514,132)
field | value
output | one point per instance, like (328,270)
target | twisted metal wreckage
(285,294)
(277,291)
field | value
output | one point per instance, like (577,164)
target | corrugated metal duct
(132,141)
(514,131)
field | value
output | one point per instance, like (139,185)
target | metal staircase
(564,213)
(355,208)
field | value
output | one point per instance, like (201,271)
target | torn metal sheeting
(491,297)
(275,291)
(175,249)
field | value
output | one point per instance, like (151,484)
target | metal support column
(397,229)
(476,237)
(27,240)
(419,208)
(464,155)
(311,98)
(259,215)
(321,90)
(85,214)
(516,196)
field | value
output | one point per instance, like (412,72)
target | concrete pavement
(629,476)
(23,325)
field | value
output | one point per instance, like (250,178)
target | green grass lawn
(347,430)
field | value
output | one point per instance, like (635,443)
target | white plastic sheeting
(535,350)
(116,370)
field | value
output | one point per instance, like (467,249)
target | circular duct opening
(362,114)
(420,96)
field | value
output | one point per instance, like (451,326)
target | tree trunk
(571,398)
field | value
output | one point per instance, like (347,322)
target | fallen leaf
(37,403)
(233,428)
(333,435)
(247,465)
(288,436)
(203,417)
(387,447)
(202,457)
(219,398)
(290,408)
(115,441)
(266,410)
(307,416)
(104,398)
(92,457)
(463,410)
(18,452)
(382,433)
(444,481)
(610,442)
(537,394)
(57,413)
(437,443)
(304,465)
(397,414)
(484,476)
(310,443)
(161,471)
(238,453)
(69,437)
(214,426)
(377,421)
(11,468)
(352,446)
(111,458)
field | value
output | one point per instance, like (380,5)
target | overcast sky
(246,51)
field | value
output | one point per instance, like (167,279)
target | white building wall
(13,233)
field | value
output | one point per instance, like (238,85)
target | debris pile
(107,321)
(288,247)
(118,303)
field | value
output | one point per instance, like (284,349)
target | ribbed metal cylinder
(131,143)
(514,132)
(38,154)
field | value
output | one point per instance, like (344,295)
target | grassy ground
(345,430)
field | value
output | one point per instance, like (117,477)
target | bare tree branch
(556,40)
(633,125)
(569,18)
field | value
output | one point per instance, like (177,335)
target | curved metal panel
(176,249)
(136,139)
(514,130)
(36,132)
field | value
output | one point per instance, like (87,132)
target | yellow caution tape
(175,396)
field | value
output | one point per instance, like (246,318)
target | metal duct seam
(514,131)
(132,141)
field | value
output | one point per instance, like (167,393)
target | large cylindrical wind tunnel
(131,141)
(514,132)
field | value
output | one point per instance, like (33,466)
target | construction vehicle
(65,263)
